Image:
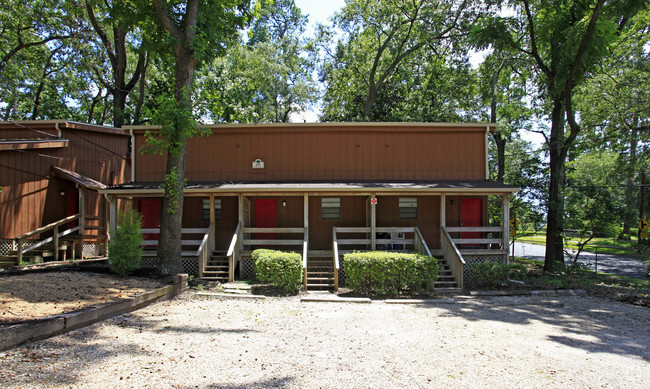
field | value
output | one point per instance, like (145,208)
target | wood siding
(331,153)
(31,195)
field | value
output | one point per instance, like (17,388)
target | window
(330,208)
(408,208)
(205,210)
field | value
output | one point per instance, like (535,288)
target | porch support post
(305,224)
(373,225)
(112,216)
(443,213)
(212,216)
(82,211)
(241,220)
(82,222)
(506,225)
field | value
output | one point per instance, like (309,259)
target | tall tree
(117,31)
(565,39)
(194,31)
(266,78)
(379,38)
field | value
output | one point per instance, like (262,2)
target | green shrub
(125,250)
(493,274)
(282,270)
(387,273)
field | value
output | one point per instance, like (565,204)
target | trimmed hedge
(281,269)
(387,273)
(493,274)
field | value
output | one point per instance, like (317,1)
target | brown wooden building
(50,174)
(326,188)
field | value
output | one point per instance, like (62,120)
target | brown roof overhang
(482,187)
(77,178)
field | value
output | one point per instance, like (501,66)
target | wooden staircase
(320,273)
(445,281)
(39,255)
(216,267)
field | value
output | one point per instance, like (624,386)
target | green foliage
(125,250)
(388,273)
(281,269)
(388,64)
(494,274)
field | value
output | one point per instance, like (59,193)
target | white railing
(453,257)
(305,246)
(205,248)
(233,251)
(335,248)
(420,244)
(54,238)
(479,245)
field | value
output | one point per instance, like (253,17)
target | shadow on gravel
(272,383)
(590,324)
(159,326)
(56,362)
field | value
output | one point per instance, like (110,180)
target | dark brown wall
(328,153)
(428,220)
(30,194)
(353,214)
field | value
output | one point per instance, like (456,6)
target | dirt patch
(39,295)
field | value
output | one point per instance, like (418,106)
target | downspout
(58,130)
(487,159)
(132,155)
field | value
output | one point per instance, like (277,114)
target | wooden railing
(151,245)
(485,245)
(381,243)
(273,230)
(453,257)
(233,251)
(205,248)
(54,238)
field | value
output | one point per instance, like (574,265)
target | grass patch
(604,245)
(611,286)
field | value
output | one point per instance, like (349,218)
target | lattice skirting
(190,264)
(246,269)
(468,275)
(6,246)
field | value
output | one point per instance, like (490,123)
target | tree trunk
(555,206)
(169,243)
(629,190)
(119,104)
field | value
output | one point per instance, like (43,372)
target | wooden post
(55,243)
(82,222)
(373,225)
(212,217)
(506,225)
(19,258)
(112,217)
(443,215)
(82,211)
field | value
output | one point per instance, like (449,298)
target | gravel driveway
(525,341)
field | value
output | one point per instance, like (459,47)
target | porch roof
(351,188)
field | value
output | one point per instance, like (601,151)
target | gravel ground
(525,342)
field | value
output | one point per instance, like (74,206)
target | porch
(323,226)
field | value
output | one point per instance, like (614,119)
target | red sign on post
(373,201)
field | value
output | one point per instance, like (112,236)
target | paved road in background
(607,263)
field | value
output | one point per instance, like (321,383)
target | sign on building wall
(258,164)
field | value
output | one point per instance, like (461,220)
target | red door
(150,210)
(471,215)
(71,207)
(266,215)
